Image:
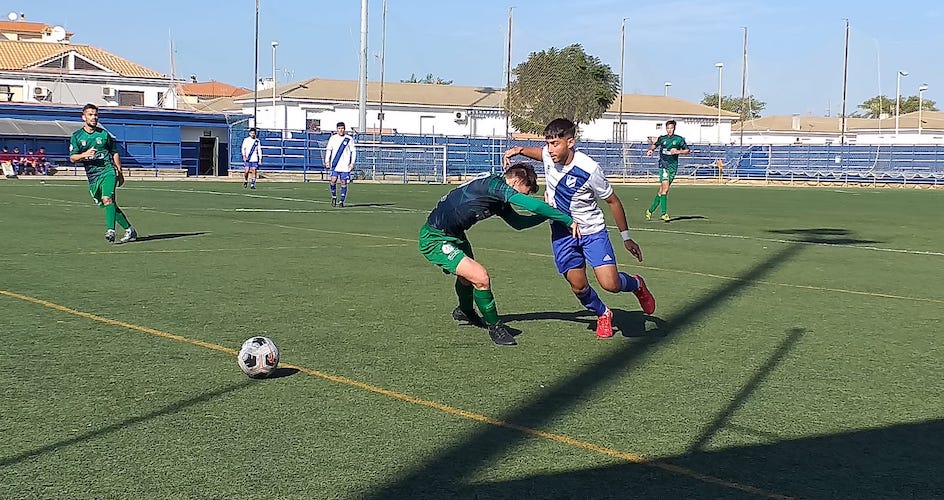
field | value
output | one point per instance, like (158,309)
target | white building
(415,108)
(815,130)
(38,63)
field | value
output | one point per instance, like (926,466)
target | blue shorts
(344,176)
(251,164)
(572,253)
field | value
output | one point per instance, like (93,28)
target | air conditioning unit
(108,92)
(40,92)
(461,116)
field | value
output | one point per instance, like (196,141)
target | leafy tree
(880,105)
(429,78)
(910,105)
(751,109)
(560,83)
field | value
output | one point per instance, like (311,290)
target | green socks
(664,203)
(486,304)
(464,292)
(120,218)
(110,213)
(655,203)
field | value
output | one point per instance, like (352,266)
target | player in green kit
(671,146)
(443,241)
(95,149)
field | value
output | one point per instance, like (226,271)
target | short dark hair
(525,172)
(341,124)
(561,128)
(253,129)
(670,122)
(88,107)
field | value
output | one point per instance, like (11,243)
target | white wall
(71,92)
(929,137)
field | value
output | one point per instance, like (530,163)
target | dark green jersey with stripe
(665,143)
(101,164)
(471,202)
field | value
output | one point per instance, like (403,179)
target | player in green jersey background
(670,147)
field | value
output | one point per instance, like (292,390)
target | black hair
(561,128)
(89,106)
(525,172)
(341,124)
(670,122)
(253,129)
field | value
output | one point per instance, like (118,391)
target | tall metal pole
(508,82)
(383,49)
(274,85)
(362,101)
(255,77)
(619,119)
(743,87)
(921,90)
(720,67)
(901,73)
(845,79)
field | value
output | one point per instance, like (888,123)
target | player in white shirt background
(340,156)
(252,157)
(574,183)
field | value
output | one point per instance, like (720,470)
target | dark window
(130,98)
(313,125)
(82,64)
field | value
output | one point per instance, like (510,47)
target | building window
(160,99)
(619,131)
(83,65)
(313,125)
(130,98)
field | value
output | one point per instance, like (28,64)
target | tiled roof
(19,56)
(932,120)
(212,89)
(24,27)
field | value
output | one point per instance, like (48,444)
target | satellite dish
(58,33)
(12,16)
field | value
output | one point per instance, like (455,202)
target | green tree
(751,106)
(877,106)
(429,78)
(910,105)
(565,83)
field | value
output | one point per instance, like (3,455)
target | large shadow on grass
(160,412)
(823,236)
(446,474)
(631,324)
(166,236)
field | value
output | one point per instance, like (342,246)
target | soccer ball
(258,357)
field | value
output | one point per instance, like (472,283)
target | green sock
(464,292)
(665,205)
(655,203)
(110,211)
(486,302)
(120,218)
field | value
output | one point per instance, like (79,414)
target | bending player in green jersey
(443,241)
(671,146)
(95,149)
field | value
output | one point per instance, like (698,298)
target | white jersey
(247,147)
(574,189)
(340,153)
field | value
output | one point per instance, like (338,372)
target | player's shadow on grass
(630,324)
(823,236)
(681,218)
(125,424)
(368,205)
(166,236)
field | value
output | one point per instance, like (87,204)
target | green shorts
(104,187)
(443,250)
(667,174)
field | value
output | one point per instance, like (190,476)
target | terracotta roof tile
(19,56)
(212,89)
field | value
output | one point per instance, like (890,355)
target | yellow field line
(629,457)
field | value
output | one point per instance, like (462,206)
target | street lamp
(901,73)
(921,89)
(619,117)
(720,67)
(666,85)
(274,84)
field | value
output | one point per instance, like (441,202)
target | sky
(795,48)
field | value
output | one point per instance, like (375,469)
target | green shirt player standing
(671,146)
(94,148)
(443,241)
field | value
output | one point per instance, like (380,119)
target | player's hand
(673,151)
(633,249)
(648,153)
(121,178)
(575,230)
(509,154)
(90,154)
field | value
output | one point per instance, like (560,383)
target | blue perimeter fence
(302,152)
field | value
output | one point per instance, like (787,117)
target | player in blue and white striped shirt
(574,183)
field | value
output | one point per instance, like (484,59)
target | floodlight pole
(383,49)
(508,83)
(274,85)
(255,77)
(619,117)
(362,100)
(845,79)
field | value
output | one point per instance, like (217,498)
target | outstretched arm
(527,151)
(543,209)
(619,215)
(519,221)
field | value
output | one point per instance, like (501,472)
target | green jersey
(102,163)
(482,198)
(665,143)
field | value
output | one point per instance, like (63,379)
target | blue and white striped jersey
(574,189)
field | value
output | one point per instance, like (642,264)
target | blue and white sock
(628,283)
(343,192)
(589,298)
